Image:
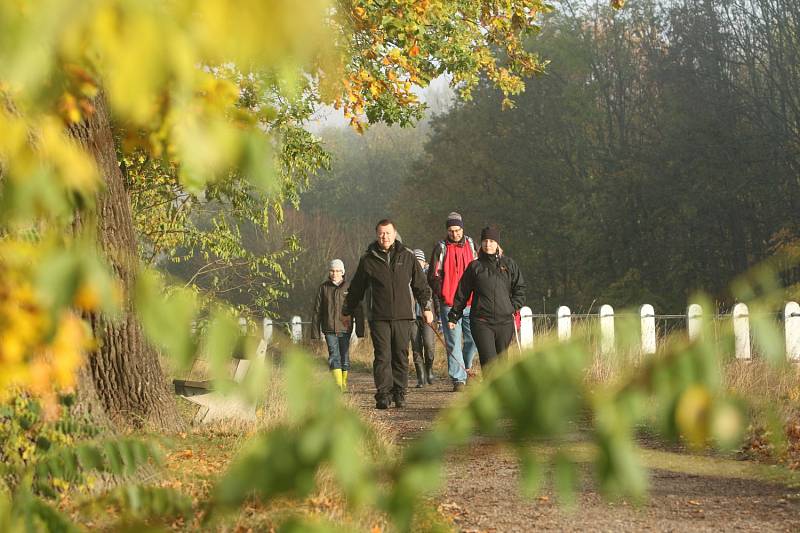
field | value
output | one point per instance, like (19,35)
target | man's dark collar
(377,247)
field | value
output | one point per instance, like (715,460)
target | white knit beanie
(336,264)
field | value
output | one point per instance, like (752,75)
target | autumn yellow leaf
(69,109)
(692,414)
(87,297)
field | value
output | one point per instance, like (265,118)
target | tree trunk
(124,374)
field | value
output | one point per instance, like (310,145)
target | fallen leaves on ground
(452,512)
(760,446)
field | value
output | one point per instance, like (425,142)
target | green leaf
(90,457)
(258,164)
(485,408)
(143,502)
(223,336)
(254,384)
(113,458)
(566,478)
(51,518)
(767,335)
(167,319)
(298,375)
(57,279)
(531,473)
(126,454)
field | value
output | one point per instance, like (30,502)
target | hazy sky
(438,94)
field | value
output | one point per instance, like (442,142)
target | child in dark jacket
(337,328)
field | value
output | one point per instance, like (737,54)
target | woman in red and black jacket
(497,288)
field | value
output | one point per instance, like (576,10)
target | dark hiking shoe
(429,372)
(381,403)
(458,386)
(399,400)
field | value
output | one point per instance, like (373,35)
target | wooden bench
(214,405)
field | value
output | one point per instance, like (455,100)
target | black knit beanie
(454,219)
(490,232)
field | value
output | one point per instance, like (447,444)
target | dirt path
(687,492)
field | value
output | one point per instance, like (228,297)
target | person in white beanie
(336,327)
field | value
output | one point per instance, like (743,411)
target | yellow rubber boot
(344,380)
(337,376)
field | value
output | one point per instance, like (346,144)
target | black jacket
(394,279)
(497,289)
(327,314)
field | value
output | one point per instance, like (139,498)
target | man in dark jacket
(395,280)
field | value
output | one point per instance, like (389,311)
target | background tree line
(658,155)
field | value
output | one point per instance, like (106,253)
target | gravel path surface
(480,492)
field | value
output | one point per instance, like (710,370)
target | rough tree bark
(124,374)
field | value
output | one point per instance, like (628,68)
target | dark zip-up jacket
(497,288)
(327,314)
(395,282)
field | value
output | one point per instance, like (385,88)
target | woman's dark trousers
(491,339)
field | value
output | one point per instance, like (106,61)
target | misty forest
(656,157)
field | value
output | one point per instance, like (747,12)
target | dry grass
(758,382)
(765,385)
(770,391)
(217,444)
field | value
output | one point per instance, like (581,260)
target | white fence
(649,339)
(294,329)
(647,316)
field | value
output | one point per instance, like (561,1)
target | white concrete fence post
(741,331)
(791,323)
(267,331)
(526,328)
(297,329)
(606,330)
(243,325)
(564,323)
(694,321)
(648,315)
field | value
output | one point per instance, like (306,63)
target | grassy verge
(197,457)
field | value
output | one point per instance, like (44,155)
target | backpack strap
(442,253)
(472,246)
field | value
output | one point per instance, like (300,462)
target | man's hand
(451,325)
(428,317)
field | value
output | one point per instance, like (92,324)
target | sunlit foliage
(214,94)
